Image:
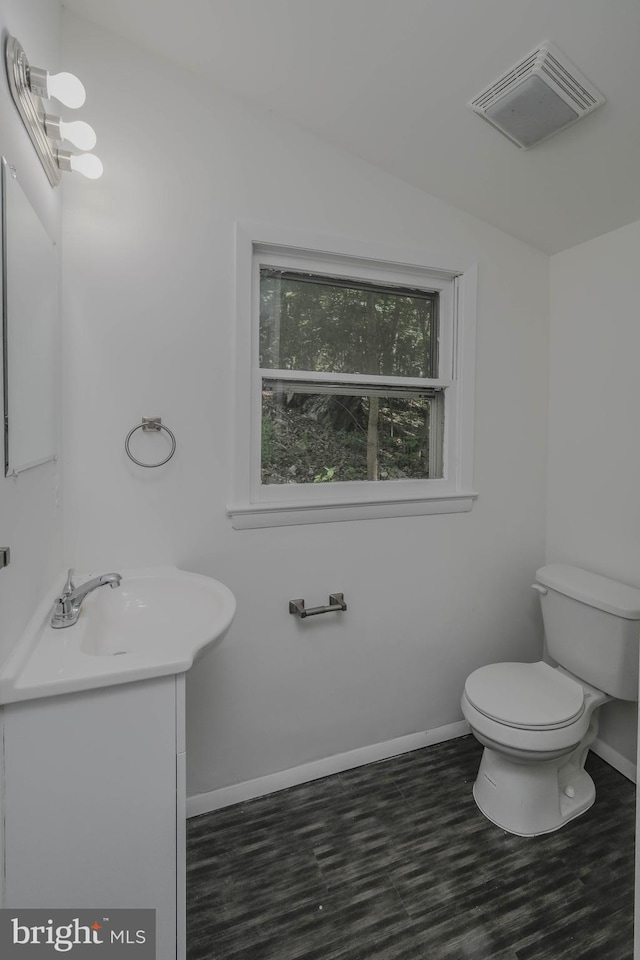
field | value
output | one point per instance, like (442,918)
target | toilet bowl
(536,723)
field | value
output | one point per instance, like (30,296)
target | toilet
(537,721)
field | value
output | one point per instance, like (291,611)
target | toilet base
(529,799)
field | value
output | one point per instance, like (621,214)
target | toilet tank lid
(600,592)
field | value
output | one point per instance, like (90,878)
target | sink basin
(155,623)
(150,614)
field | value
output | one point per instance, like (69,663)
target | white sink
(155,623)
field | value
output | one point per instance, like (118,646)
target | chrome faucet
(66,609)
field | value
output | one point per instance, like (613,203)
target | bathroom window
(385,422)
(350,400)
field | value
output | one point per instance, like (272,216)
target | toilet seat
(526,696)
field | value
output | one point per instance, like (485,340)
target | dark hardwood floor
(393,861)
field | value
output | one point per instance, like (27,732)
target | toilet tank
(592,627)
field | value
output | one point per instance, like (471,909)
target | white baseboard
(250,789)
(615,759)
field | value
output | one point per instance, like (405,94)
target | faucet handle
(69,586)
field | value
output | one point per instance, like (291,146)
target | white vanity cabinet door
(90,784)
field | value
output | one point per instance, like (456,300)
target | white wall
(593,515)
(148,284)
(30,520)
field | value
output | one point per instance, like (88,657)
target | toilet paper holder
(336,605)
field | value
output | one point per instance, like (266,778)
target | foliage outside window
(331,431)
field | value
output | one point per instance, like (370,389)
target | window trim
(253,504)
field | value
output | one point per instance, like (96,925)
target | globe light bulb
(79,133)
(66,88)
(87,164)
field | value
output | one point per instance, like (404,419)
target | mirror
(29,325)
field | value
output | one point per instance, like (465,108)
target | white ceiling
(389,80)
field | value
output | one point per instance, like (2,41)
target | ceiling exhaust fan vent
(540,96)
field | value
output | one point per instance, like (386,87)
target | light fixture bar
(29,86)
(18,73)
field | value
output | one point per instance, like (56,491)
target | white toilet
(536,721)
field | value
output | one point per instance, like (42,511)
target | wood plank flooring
(393,861)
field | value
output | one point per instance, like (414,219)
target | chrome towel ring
(149,425)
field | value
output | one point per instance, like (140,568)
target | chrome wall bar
(336,604)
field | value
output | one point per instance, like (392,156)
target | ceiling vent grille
(540,96)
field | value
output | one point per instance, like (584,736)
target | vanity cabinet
(94,803)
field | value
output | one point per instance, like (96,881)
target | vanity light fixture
(29,87)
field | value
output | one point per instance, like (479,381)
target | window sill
(278,515)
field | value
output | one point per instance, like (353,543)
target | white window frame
(254,504)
